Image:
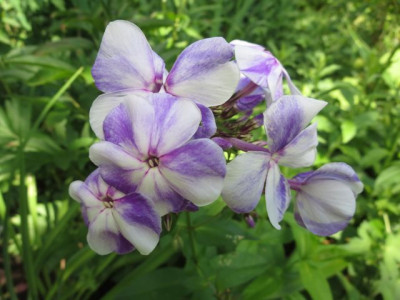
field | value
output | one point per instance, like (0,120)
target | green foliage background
(345,52)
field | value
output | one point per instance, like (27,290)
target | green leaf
(166,283)
(229,233)
(264,286)
(40,61)
(349,130)
(388,178)
(314,282)
(63,45)
(373,156)
(237,268)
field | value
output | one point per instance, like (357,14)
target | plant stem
(54,99)
(6,256)
(23,200)
(23,208)
(191,238)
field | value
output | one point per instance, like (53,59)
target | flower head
(117,222)
(290,143)
(149,148)
(203,72)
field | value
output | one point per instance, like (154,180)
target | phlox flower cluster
(160,150)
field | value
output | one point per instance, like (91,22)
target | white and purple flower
(149,148)
(203,73)
(290,144)
(117,222)
(263,69)
(155,155)
(326,198)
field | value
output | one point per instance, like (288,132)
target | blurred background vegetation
(345,52)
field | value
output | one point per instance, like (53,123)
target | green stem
(6,256)
(190,230)
(23,201)
(55,98)
(191,238)
(23,208)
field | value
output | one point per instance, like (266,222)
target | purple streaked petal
(100,108)
(103,235)
(244,182)
(123,245)
(293,89)
(196,171)
(126,61)
(277,194)
(138,221)
(125,181)
(105,103)
(247,44)
(158,189)
(191,207)
(259,119)
(275,86)
(175,122)
(333,171)
(301,151)
(91,206)
(256,64)
(106,153)
(249,102)
(286,117)
(297,215)
(208,127)
(203,73)
(325,206)
(160,122)
(118,168)
(142,117)
(118,127)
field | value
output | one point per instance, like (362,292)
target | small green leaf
(349,130)
(314,282)
(388,178)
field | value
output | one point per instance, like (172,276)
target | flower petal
(203,72)
(326,198)
(118,168)
(325,206)
(277,194)
(333,171)
(175,122)
(138,221)
(91,206)
(244,181)
(100,108)
(161,122)
(301,151)
(159,190)
(208,126)
(257,64)
(286,117)
(196,171)
(126,61)
(293,89)
(247,44)
(103,235)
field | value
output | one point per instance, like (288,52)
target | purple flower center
(108,202)
(153,161)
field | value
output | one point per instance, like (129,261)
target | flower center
(108,202)
(153,161)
